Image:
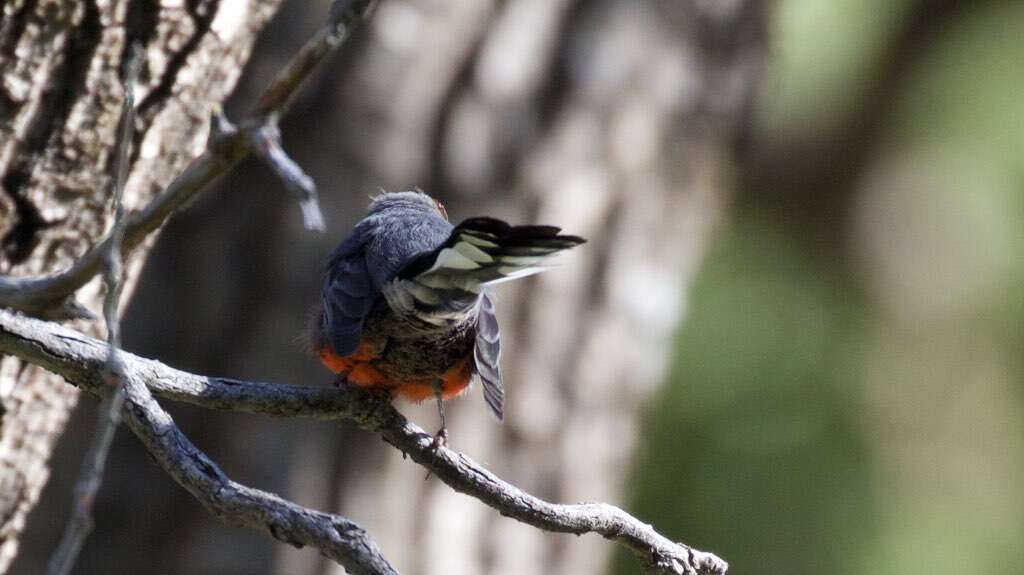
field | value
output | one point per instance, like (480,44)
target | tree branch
(90,478)
(335,536)
(79,359)
(53,296)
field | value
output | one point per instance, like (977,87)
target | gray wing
(377,249)
(348,296)
(487,355)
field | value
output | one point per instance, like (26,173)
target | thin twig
(343,17)
(79,359)
(265,141)
(52,296)
(81,523)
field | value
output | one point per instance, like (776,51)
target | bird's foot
(440,439)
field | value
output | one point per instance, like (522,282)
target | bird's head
(407,201)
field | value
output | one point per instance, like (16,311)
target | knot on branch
(372,409)
(283,533)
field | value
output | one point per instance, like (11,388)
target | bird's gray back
(395,237)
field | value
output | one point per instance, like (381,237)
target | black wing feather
(348,296)
(502,240)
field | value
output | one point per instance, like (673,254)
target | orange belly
(366,369)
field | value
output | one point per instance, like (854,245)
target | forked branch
(79,359)
(52,296)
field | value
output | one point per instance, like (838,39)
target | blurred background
(794,338)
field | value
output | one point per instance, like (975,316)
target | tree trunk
(60,100)
(618,121)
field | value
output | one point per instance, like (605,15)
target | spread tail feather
(444,283)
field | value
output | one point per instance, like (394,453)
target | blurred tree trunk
(60,100)
(618,121)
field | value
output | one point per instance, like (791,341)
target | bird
(407,304)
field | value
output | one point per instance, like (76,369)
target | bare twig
(342,19)
(265,141)
(90,478)
(52,296)
(79,359)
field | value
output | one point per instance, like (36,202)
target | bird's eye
(440,208)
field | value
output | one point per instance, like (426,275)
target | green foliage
(864,415)
(821,53)
(753,449)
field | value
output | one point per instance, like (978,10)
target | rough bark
(616,120)
(60,100)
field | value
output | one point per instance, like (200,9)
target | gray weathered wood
(81,360)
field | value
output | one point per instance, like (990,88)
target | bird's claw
(440,439)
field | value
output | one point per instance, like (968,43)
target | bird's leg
(441,437)
(341,378)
